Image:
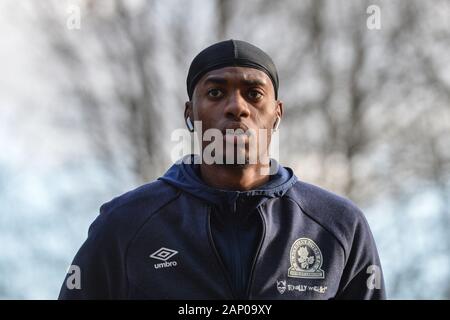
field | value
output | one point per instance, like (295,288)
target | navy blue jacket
(177,238)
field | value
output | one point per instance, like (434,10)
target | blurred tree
(110,63)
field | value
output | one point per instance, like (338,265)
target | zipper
(237,262)
(222,266)
(255,258)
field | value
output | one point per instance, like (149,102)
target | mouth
(234,127)
(237,128)
(238,133)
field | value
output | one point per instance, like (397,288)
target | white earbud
(189,124)
(277,123)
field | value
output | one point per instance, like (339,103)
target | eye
(254,94)
(215,93)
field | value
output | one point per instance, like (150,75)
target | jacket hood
(185,175)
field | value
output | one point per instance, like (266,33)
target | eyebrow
(254,82)
(248,82)
(215,79)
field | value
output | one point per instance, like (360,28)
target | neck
(229,177)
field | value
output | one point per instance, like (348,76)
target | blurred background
(90,92)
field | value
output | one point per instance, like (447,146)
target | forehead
(236,75)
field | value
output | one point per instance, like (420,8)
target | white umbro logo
(164,254)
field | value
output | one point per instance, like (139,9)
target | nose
(236,107)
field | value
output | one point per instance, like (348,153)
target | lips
(239,133)
(234,127)
(241,128)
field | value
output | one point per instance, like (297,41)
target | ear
(278,114)
(279,108)
(188,111)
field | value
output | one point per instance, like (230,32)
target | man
(228,229)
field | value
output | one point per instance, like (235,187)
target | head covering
(228,53)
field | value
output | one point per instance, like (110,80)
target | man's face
(236,98)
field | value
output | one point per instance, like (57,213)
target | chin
(241,161)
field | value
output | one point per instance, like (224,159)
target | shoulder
(338,215)
(155,193)
(127,212)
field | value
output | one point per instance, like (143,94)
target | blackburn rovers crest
(306,260)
